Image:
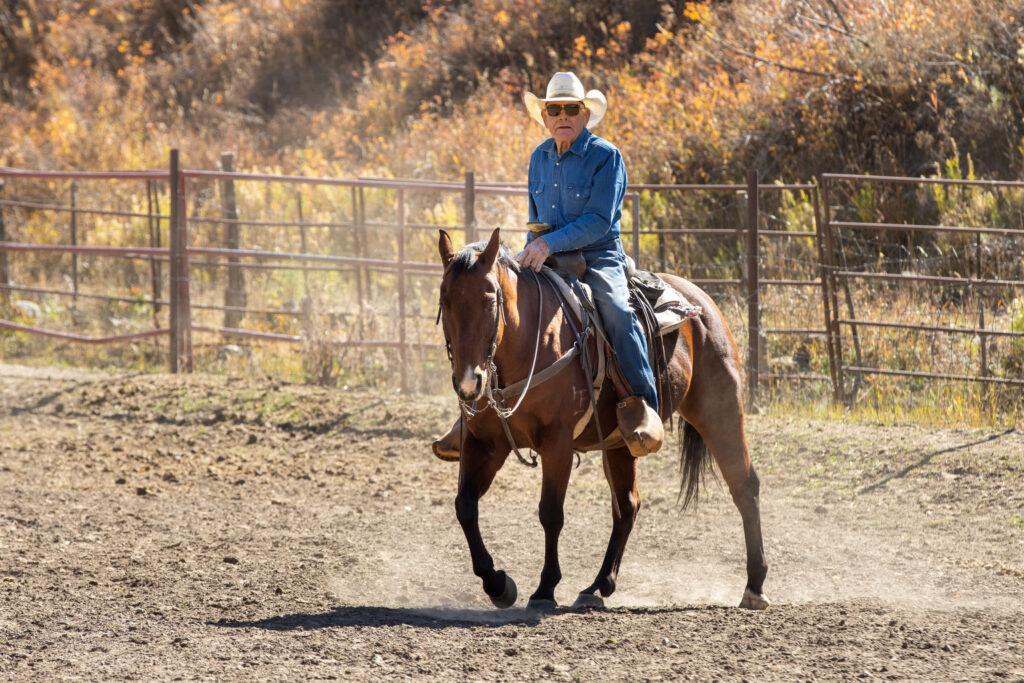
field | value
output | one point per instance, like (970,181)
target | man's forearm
(582,232)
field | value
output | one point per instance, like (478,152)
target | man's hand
(535,254)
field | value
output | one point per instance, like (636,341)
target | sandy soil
(211,527)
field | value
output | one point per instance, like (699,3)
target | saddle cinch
(660,309)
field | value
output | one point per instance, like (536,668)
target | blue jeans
(606,277)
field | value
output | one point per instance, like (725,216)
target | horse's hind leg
(620,470)
(477,469)
(727,442)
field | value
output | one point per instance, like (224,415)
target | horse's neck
(513,355)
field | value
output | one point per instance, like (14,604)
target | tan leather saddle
(638,425)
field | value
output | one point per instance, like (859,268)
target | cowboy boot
(449,446)
(641,427)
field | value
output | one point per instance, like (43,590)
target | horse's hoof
(444,451)
(508,595)
(588,601)
(541,605)
(752,600)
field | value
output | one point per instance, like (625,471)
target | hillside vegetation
(698,90)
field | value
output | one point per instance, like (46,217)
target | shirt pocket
(575,199)
(537,188)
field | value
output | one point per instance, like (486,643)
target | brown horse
(490,308)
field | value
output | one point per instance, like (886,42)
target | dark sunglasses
(569,109)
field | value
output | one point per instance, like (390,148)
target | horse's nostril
(470,385)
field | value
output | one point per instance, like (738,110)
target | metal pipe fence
(785,254)
(868,274)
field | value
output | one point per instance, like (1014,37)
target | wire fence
(838,288)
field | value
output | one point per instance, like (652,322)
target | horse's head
(471,308)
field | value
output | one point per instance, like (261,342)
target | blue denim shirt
(579,194)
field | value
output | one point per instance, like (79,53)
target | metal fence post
(154,241)
(175,312)
(5,282)
(357,271)
(403,352)
(983,345)
(74,243)
(662,242)
(184,283)
(234,295)
(830,265)
(986,387)
(858,377)
(303,247)
(824,275)
(753,301)
(635,206)
(365,292)
(469,207)
(181,314)
(977,256)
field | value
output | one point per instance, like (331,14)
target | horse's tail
(694,460)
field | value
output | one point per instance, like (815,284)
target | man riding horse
(577,182)
(499,310)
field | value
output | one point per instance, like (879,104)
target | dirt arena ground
(207,527)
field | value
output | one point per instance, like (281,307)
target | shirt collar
(579,146)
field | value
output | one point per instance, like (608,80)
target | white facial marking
(468,382)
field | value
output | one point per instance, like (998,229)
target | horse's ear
(445,248)
(490,254)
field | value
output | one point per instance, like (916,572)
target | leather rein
(496,396)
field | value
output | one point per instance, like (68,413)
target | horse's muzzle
(470,387)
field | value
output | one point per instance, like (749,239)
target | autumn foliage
(698,91)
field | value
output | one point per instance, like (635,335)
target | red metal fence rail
(841,275)
(184,254)
(182,258)
(749,241)
(73,248)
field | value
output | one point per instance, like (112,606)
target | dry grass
(701,91)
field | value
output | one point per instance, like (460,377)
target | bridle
(493,397)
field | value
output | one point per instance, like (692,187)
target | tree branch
(832,27)
(779,65)
(839,15)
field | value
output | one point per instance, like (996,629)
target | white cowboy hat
(564,86)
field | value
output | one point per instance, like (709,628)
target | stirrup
(641,427)
(449,446)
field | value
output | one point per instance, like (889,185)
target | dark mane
(468,255)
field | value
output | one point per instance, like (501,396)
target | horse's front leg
(477,467)
(556,464)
